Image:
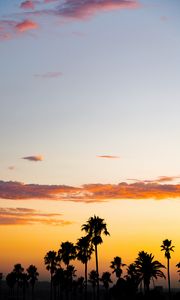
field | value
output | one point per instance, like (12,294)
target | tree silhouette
(168,248)
(117,265)
(178,266)
(11,282)
(93,279)
(18,271)
(84,251)
(67,252)
(148,268)
(132,278)
(94,227)
(51,262)
(106,280)
(32,277)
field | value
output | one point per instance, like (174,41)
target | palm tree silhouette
(178,266)
(51,262)
(11,282)
(94,227)
(168,248)
(18,271)
(106,280)
(93,278)
(148,268)
(84,251)
(116,265)
(67,252)
(32,277)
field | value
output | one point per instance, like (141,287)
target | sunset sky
(90,124)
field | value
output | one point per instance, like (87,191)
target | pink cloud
(27,5)
(26,25)
(89,193)
(86,8)
(34,158)
(49,75)
(108,156)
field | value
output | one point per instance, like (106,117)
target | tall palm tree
(32,277)
(94,227)
(168,248)
(67,252)
(116,265)
(84,251)
(51,261)
(148,268)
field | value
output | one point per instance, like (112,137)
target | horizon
(89,126)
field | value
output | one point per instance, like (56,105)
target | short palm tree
(84,251)
(32,277)
(178,266)
(11,282)
(117,265)
(51,262)
(168,248)
(18,271)
(94,227)
(148,268)
(93,277)
(106,279)
(67,252)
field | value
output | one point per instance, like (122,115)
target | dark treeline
(65,285)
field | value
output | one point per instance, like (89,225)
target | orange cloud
(49,75)
(107,156)
(90,192)
(27,5)
(26,25)
(34,158)
(26,216)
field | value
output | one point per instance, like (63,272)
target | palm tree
(116,265)
(148,268)
(67,252)
(51,262)
(168,248)
(93,278)
(94,227)
(178,266)
(32,277)
(106,280)
(132,278)
(84,251)
(11,281)
(18,271)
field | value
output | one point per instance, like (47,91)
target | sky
(89,95)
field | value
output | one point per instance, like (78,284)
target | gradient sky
(89,94)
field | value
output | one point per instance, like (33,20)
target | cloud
(49,75)
(107,156)
(81,9)
(89,193)
(34,158)
(27,5)
(11,168)
(26,216)
(26,25)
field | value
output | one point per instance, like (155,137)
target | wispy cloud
(89,192)
(81,9)
(11,168)
(34,158)
(26,216)
(10,28)
(27,5)
(49,75)
(108,156)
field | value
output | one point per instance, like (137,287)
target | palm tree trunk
(97,271)
(86,276)
(51,288)
(169,282)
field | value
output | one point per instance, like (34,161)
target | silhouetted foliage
(168,248)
